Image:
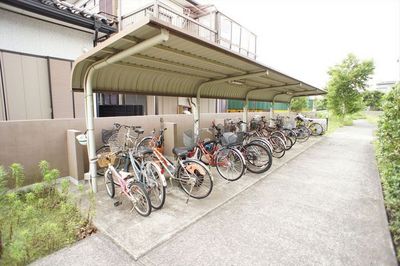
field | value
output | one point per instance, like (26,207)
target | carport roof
(182,64)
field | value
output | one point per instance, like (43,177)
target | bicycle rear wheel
(230,164)
(139,198)
(258,157)
(144,144)
(194,178)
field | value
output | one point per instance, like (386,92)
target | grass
(37,221)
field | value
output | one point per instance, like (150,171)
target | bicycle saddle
(139,130)
(181,151)
(125,175)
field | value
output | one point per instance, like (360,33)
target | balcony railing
(227,32)
(172,17)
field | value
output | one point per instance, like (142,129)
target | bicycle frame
(122,183)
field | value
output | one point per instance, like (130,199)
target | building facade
(40,39)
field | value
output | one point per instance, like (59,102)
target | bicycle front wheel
(230,164)
(316,129)
(109,182)
(303,134)
(155,184)
(140,199)
(278,146)
(195,178)
(258,157)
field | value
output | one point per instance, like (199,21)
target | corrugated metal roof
(180,65)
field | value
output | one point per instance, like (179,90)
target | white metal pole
(90,129)
(88,89)
(245,114)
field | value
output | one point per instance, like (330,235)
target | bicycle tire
(278,146)
(251,155)
(155,184)
(290,134)
(144,143)
(137,189)
(303,134)
(109,183)
(201,179)
(230,153)
(316,129)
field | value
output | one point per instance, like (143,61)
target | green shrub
(388,151)
(39,221)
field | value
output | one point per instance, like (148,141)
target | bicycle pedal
(117,203)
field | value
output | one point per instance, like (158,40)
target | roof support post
(88,92)
(196,126)
(245,114)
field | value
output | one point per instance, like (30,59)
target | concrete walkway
(323,207)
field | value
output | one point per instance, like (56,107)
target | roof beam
(269,88)
(135,40)
(164,61)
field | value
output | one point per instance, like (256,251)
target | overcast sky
(303,38)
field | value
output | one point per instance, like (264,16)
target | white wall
(28,35)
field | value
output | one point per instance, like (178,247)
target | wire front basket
(229,138)
(117,142)
(105,158)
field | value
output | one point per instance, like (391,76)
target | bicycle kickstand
(188,197)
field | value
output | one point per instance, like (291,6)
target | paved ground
(323,207)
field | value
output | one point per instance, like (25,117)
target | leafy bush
(38,221)
(298,104)
(373,100)
(388,152)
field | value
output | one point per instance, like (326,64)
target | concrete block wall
(28,142)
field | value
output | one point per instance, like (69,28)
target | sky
(304,38)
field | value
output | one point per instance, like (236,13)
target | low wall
(28,142)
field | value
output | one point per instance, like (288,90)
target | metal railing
(172,17)
(228,33)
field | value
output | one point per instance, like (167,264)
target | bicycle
(228,160)
(130,187)
(193,176)
(257,153)
(315,128)
(149,174)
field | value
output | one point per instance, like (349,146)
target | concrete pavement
(324,207)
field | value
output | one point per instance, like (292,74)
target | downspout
(88,92)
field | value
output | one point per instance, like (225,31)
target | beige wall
(28,142)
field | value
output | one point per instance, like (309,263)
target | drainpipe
(88,91)
(245,113)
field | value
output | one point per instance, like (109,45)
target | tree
(347,81)
(298,104)
(321,104)
(373,99)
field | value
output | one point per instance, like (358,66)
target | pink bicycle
(133,189)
